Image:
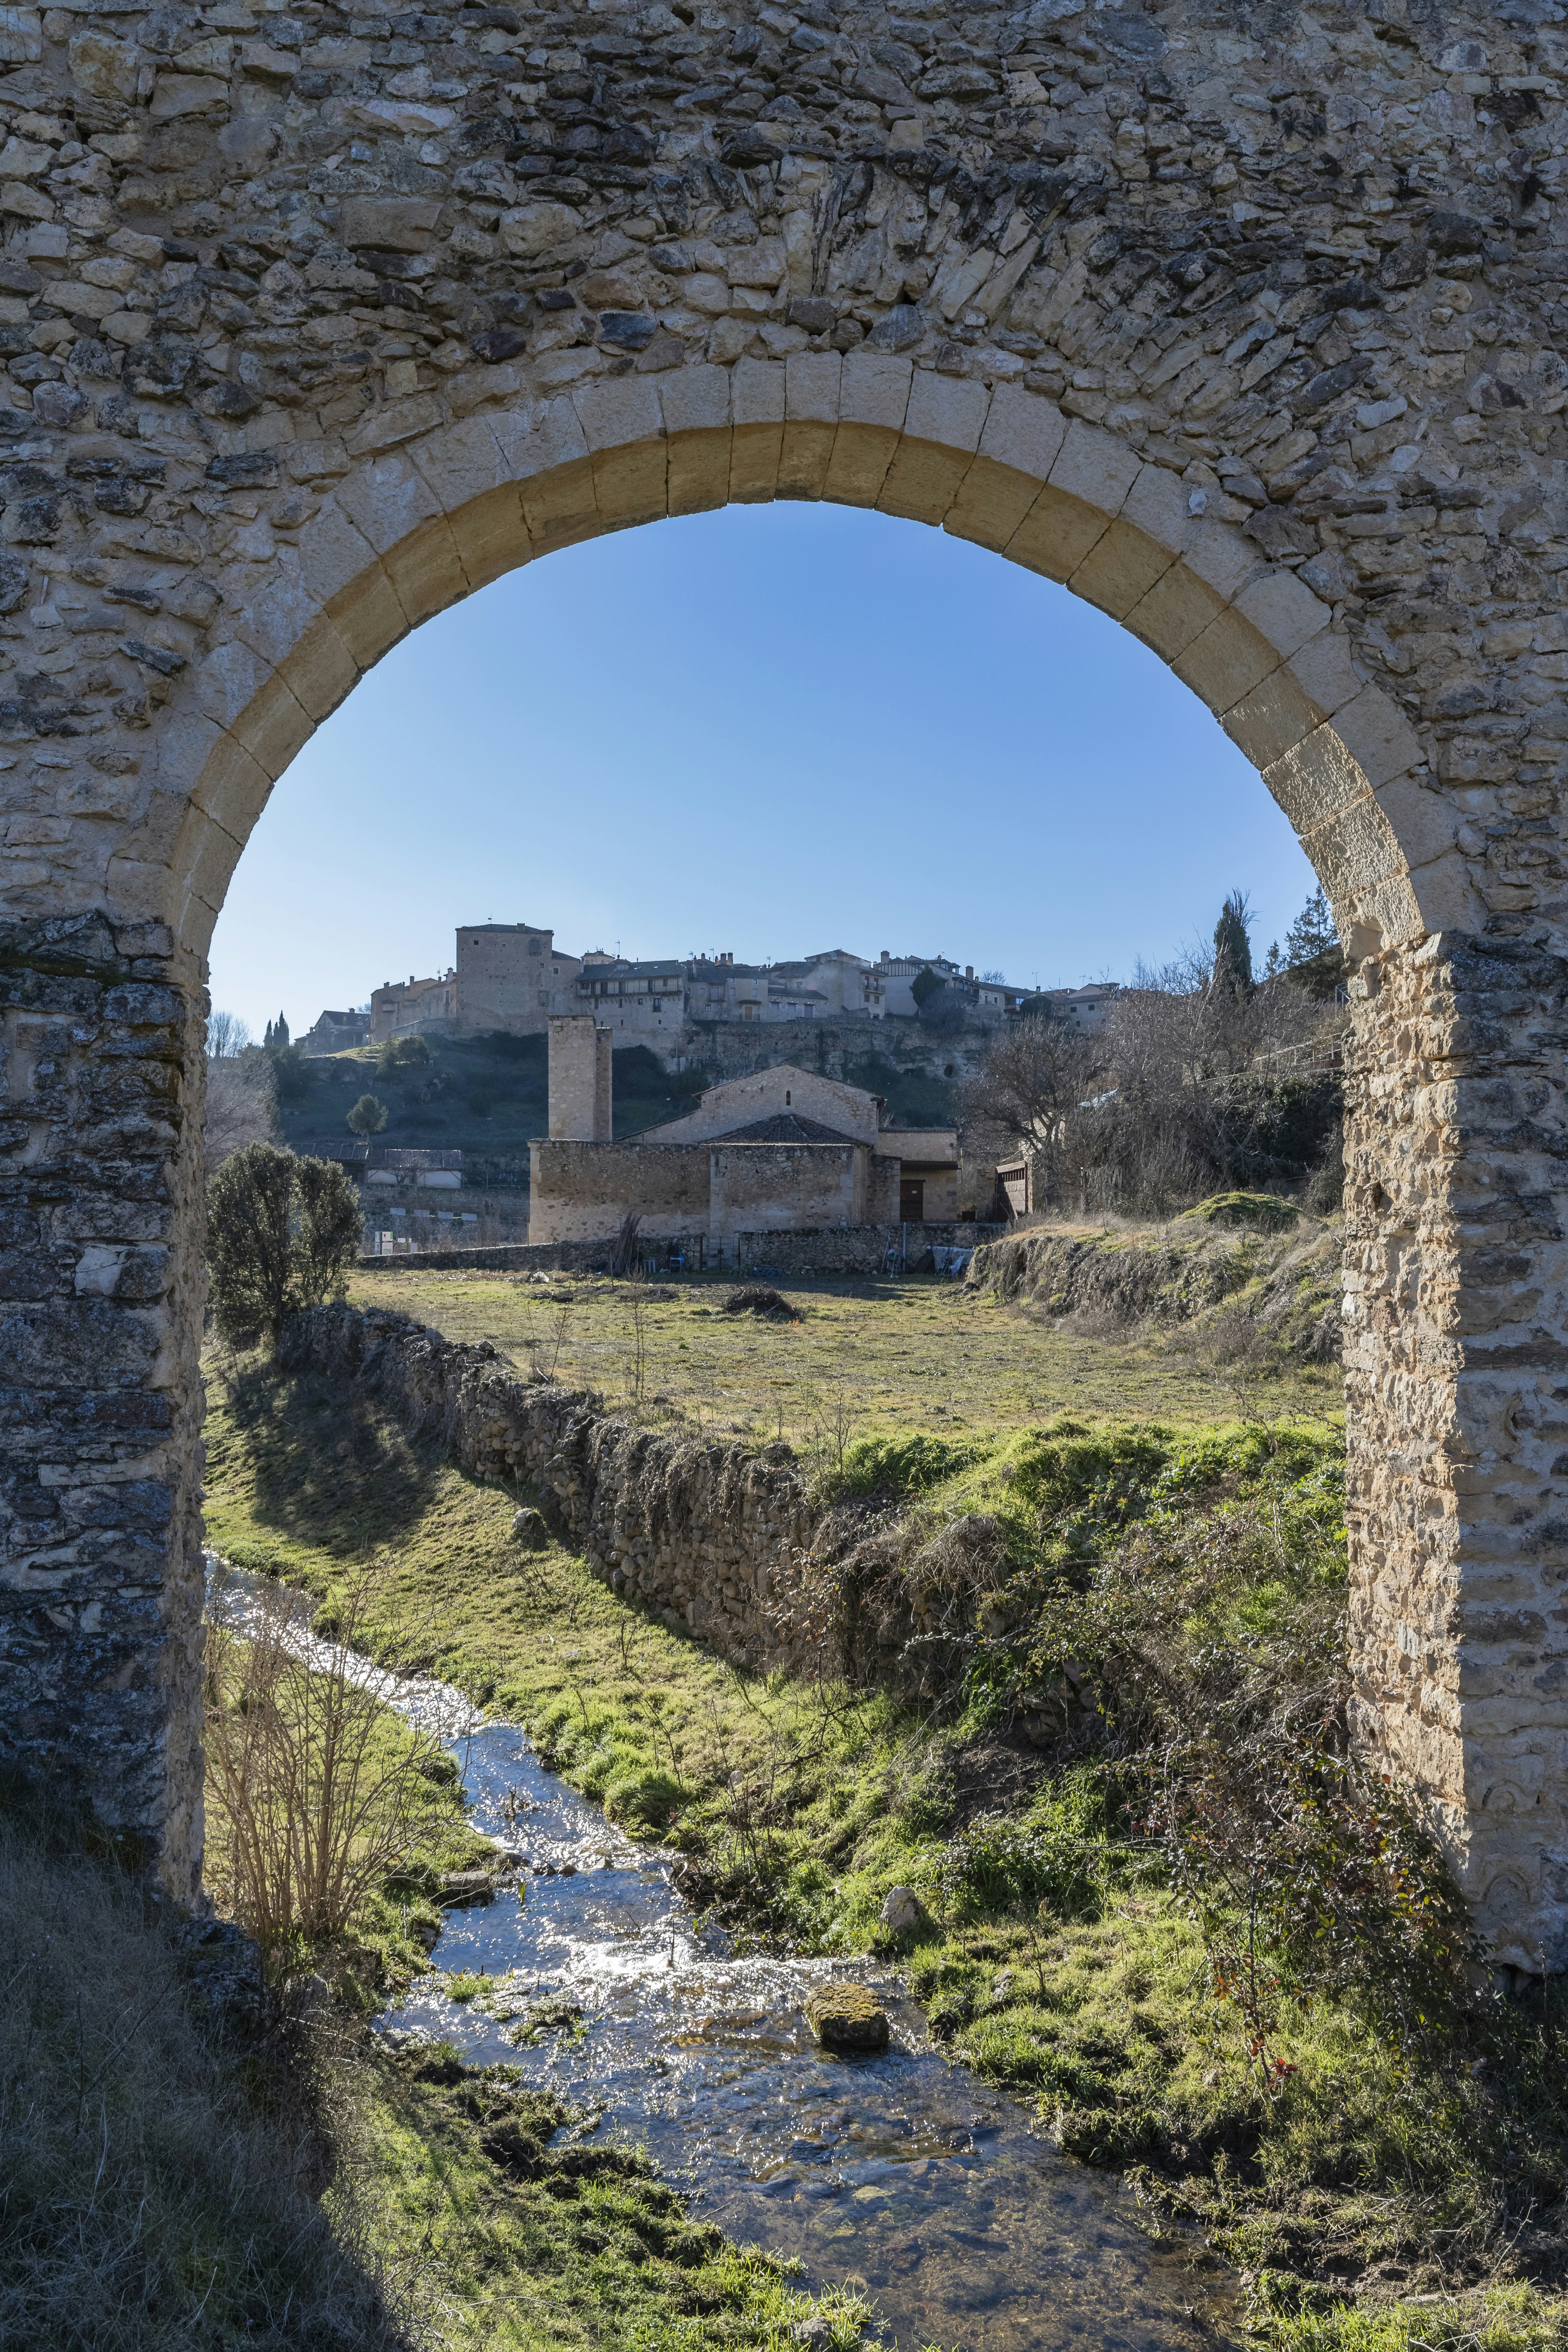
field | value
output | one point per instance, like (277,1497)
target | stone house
(779,1151)
(337,1032)
(403,1008)
(1085,1008)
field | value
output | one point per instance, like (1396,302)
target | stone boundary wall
(714,1538)
(852,1249)
(501,1258)
(832,1249)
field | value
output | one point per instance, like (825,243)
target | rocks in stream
(461,1887)
(846,2016)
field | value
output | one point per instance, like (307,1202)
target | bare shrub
(318,1793)
(1199,1081)
(757,1298)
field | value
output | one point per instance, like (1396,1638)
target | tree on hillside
(275,1037)
(1232,973)
(282,1232)
(1312,933)
(401,1056)
(368,1115)
(925,984)
(293,1074)
(946,1010)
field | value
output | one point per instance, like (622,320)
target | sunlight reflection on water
(903,2170)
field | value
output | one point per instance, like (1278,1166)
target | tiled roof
(784,1127)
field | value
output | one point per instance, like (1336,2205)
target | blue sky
(770,730)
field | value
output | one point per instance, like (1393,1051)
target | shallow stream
(902,2171)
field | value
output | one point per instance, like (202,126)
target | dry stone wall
(715,1539)
(1247,326)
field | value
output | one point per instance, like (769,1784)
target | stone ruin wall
(838,1048)
(1248,326)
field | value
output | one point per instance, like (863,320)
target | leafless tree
(228,1035)
(241,1105)
(1035,1072)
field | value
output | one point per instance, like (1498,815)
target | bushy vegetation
(281,1234)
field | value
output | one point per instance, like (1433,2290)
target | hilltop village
(512,978)
(832,1080)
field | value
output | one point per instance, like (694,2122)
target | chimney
(969,971)
(580,1079)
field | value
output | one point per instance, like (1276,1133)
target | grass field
(865,1357)
(1059,1961)
(1367,2163)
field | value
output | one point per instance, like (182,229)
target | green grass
(530,2239)
(1059,1961)
(866,1361)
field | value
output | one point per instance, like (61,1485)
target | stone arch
(421,525)
(313,323)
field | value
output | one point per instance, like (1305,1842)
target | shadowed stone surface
(1246,325)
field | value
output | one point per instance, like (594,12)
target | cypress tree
(1233,948)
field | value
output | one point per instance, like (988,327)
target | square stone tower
(580,1100)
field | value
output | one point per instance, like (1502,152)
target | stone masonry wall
(581,1191)
(716,1539)
(100,1422)
(1456,1143)
(1247,326)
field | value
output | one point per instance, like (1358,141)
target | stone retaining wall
(829,1249)
(714,1538)
(731,1545)
(501,1258)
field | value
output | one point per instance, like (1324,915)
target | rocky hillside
(1247,1254)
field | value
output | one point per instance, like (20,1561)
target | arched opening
(418,529)
(400,533)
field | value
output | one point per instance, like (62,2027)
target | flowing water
(964,2225)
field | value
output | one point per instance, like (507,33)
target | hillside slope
(1240,1254)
